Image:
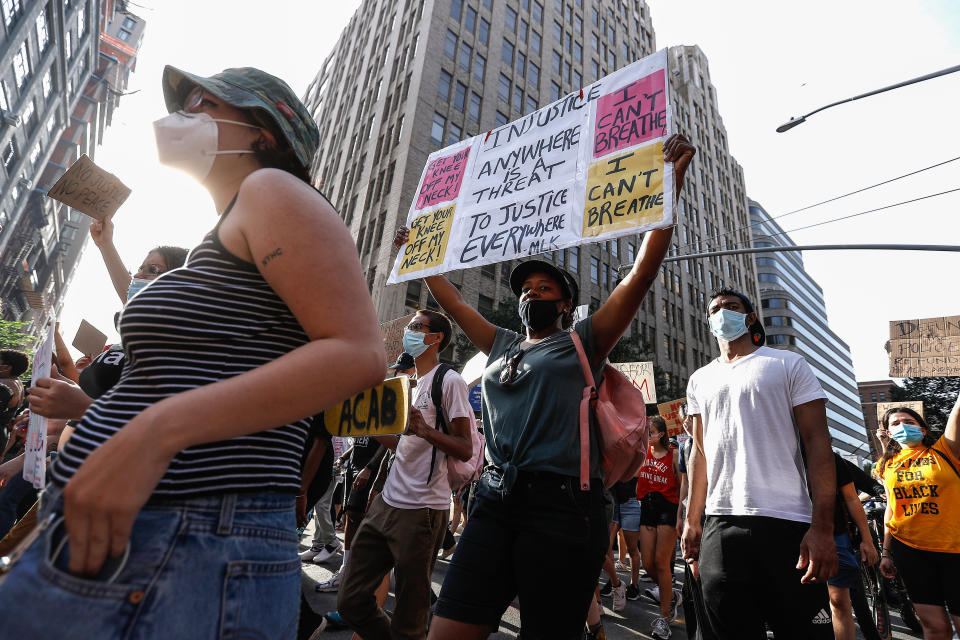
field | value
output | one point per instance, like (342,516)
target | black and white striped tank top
(214,318)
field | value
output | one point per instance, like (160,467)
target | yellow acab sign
(379,411)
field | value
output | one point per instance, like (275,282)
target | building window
(873,397)
(443,86)
(534,76)
(531,104)
(129,23)
(21,65)
(485,304)
(535,41)
(12,9)
(883,396)
(436,130)
(460,97)
(782,339)
(594,270)
(81,21)
(450,45)
(479,67)
(465,51)
(471,22)
(475,104)
(484,33)
(503,89)
(500,119)
(554,91)
(43,36)
(768,277)
(777,321)
(574,259)
(521,65)
(517,99)
(454,133)
(506,53)
(488,5)
(10,153)
(766,262)
(774,303)
(456,8)
(524,28)
(578,53)
(557,63)
(488,271)
(537,13)
(558,32)
(510,22)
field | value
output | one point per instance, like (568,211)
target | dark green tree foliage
(505,315)
(938,396)
(12,336)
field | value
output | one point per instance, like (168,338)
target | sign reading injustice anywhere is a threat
(586,168)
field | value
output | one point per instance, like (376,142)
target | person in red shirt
(658,492)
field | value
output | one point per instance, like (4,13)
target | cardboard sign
(924,348)
(35,461)
(379,411)
(89,340)
(393,336)
(89,189)
(641,375)
(586,168)
(670,412)
(883,407)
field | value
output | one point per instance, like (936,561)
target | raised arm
(951,435)
(479,330)
(102,235)
(614,316)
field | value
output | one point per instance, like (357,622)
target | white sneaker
(620,597)
(620,566)
(660,629)
(333,584)
(328,552)
(309,554)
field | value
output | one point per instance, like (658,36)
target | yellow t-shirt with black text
(924,496)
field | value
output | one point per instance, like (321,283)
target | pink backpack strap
(589,392)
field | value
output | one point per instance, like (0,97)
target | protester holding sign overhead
(922,537)
(528,502)
(173,503)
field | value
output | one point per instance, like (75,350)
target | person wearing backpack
(530,501)
(404,525)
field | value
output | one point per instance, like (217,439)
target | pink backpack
(621,423)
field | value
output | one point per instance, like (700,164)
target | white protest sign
(586,168)
(641,375)
(35,461)
(473,370)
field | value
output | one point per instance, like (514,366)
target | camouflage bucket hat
(250,88)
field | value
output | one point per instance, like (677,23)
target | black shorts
(357,498)
(655,510)
(929,576)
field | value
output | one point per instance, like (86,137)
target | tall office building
(402,82)
(795,318)
(63,66)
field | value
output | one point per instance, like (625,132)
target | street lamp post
(795,121)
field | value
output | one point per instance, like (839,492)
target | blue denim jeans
(216,567)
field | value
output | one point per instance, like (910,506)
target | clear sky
(769,61)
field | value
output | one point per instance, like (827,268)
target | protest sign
(89,340)
(641,375)
(35,461)
(925,347)
(586,168)
(89,189)
(671,414)
(883,407)
(393,336)
(476,397)
(473,371)
(379,411)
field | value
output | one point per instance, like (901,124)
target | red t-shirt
(656,475)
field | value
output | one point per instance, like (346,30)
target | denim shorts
(848,575)
(213,567)
(627,515)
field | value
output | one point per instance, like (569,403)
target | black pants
(497,559)
(749,576)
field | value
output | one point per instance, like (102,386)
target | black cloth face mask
(537,315)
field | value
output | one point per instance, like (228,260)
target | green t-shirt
(533,423)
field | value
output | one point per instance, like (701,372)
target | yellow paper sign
(624,190)
(379,411)
(89,189)
(429,235)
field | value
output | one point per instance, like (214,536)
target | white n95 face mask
(188,142)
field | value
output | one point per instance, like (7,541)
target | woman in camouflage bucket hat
(171,511)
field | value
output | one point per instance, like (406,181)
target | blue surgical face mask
(906,434)
(413,342)
(136,284)
(728,325)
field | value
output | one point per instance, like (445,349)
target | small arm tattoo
(276,253)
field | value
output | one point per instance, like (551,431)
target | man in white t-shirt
(404,526)
(763,473)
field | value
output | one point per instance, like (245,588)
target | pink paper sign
(442,179)
(631,115)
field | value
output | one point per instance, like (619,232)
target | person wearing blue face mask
(921,540)
(762,471)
